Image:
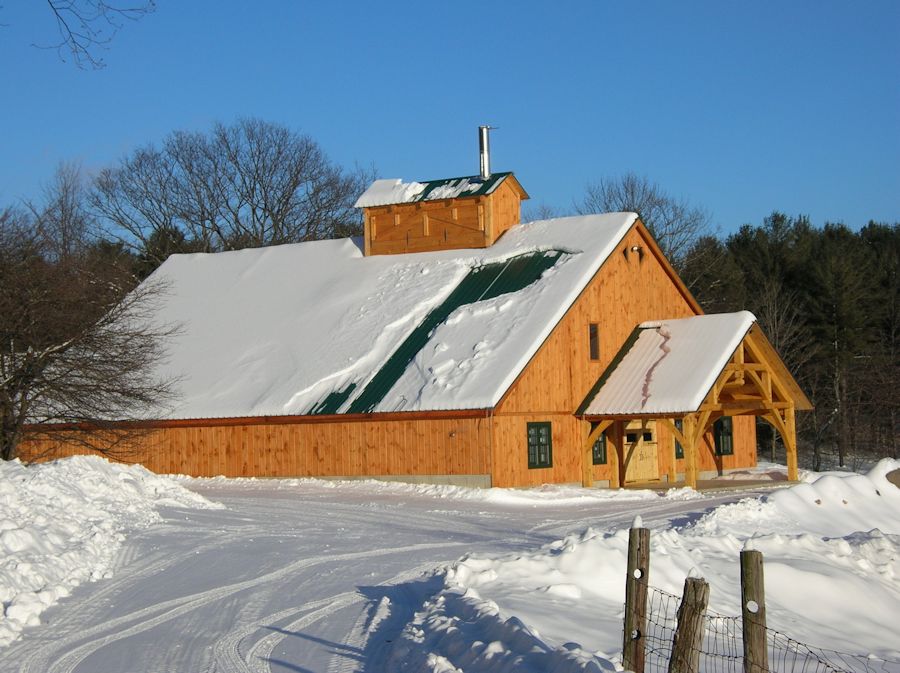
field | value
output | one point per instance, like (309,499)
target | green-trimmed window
(679,449)
(598,451)
(723,436)
(594,340)
(540,445)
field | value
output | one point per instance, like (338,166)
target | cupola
(464,212)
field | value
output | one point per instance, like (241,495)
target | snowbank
(832,554)
(62,523)
(548,495)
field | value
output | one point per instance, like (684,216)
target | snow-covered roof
(669,365)
(394,191)
(305,328)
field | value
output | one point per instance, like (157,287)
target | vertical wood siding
(627,290)
(361,448)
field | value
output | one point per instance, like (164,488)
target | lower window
(723,436)
(598,452)
(540,445)
(679,449)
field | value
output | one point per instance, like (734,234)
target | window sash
(598,450)
(540,445)
(594,340)
(723,435)
(679,449)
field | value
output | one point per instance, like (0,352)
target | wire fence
(722,649)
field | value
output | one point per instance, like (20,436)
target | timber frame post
(693,428)
(587,453)
(616,456)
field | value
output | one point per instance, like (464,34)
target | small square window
(648,436)
(631,437)
(594,340)
(598,451)
(540,445)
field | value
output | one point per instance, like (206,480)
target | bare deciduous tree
(88,25)
(62,219)
(246,185)
(674,223)
(541,211)
(77,343)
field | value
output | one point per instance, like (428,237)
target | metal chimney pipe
(484,151)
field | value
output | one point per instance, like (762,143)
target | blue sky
(742,108)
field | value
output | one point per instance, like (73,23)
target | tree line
(828,298)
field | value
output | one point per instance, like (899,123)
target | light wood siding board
(452,223)
(505,209)
(626,291)
(744,429)
(441,225)
(510,450)
(361,448)
(623,293)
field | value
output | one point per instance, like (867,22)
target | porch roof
(668,366)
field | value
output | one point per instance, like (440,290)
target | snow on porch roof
(669,366)
(306,328)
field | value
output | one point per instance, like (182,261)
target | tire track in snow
(85,612)
(365,627)
(227,650)
(151,616)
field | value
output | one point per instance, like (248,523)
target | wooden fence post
(689,631)
(633,650)
(753,612)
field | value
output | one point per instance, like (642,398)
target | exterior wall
(430,225)
(510,450)
(362,448)
(744,431)
(628,289)
(505,210)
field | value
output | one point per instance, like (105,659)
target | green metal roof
(333,401)
(481,283)
(468,185)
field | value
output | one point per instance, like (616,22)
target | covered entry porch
(693,380)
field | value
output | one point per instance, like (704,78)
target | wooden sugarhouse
(456,345)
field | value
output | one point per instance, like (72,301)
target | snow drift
(62,523)
(835,537)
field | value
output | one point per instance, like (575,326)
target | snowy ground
(112,569)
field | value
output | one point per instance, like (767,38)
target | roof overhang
(720,363)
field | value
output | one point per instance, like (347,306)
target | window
(679,449)
(594,339)
(648,436)
(631,437)
(598,452)
(540,446)
(723,436)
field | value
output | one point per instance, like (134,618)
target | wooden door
(641,451)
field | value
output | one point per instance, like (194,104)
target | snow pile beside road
(569,594)
(61,524)
(548,495)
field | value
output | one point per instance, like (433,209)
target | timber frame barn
(456,345)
